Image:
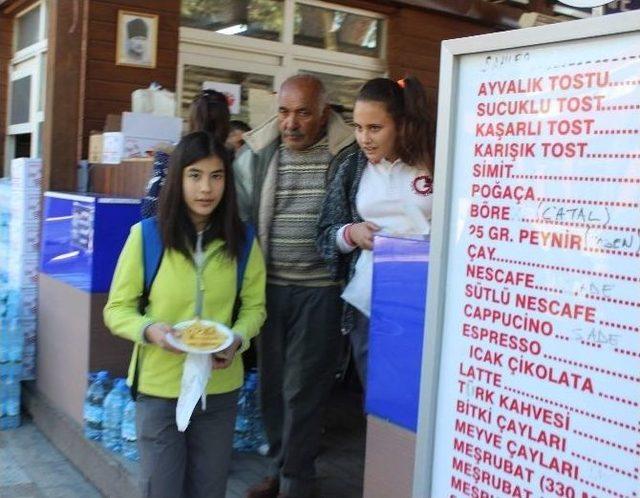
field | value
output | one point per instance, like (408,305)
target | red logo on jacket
(423,185)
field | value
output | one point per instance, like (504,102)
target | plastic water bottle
(113,410)
(4,347)
(259,439)
(249,435)
(13,402)
(9,402)
(93,409)
(241,440)
(129,437)
(14,345)
(244,420)
(83,176)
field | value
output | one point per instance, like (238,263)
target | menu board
(539,377)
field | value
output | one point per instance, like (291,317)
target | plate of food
(200,336)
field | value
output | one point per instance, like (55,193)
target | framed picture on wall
(137,40)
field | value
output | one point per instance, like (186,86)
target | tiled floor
(31,467)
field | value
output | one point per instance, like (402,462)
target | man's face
(301,116)
(137,46)
(235,140)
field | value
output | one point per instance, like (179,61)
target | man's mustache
(293,134)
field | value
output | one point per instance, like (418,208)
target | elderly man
(281,175)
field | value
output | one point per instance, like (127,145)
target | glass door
(27,84)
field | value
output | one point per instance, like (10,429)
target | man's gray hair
(313,81)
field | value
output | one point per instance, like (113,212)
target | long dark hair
(209,112)
(406,102)
(176,228)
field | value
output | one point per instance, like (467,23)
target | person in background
(236,129)
(208,112)
(203,238)
(281,175)
(384,186)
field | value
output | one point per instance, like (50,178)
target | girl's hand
(362,234)
(156,333)
(225,357)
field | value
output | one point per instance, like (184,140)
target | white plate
(178,344)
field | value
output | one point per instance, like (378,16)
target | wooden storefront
(84,84)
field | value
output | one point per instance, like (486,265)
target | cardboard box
(139,135)
(26,175)
(113,122)
(112,147)
(118,147)
(95,148)
(127,179)
(24,273)
(25,209)
(24,239)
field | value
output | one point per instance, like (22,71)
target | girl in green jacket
(202,236)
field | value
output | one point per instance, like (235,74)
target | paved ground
(341,461)
(31,467)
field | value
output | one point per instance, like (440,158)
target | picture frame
(137,39)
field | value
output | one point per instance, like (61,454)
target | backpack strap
(152,251)
(243,259)
(245,250)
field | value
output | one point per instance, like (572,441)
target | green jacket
(172,299)
(256,166)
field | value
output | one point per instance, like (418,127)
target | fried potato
(199,335)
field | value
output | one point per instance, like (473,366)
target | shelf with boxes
(120,157)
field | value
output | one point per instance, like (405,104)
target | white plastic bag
(154,100)
(358,291)
(195,376)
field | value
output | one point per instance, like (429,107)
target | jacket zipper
(199,261)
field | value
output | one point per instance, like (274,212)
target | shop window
(252,18)
(337,30)
(20,100)
(256,94)
(342,91)
(343,46)
(28,29)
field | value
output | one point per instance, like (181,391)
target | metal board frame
(451,52)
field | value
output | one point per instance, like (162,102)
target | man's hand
(225,357)
(362,234)
(156,333)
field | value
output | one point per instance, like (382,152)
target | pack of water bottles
(249,430)
(11,343)
(5,216)
(110,414)
(24,257)
(10,373)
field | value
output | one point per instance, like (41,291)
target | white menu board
(534,323)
